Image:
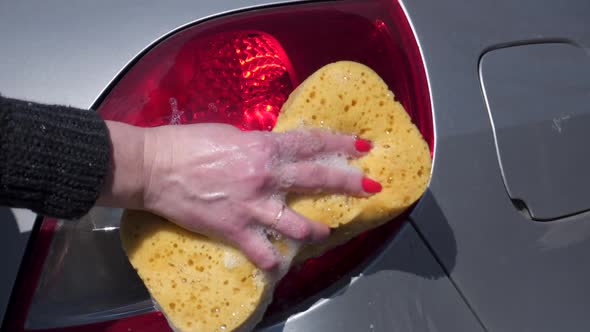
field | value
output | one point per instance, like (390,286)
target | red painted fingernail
(362,145)
(371,186)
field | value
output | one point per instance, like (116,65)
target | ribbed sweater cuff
(53,159)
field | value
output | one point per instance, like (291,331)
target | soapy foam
(231,260)
(336,160)
(288,175)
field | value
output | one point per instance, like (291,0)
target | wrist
(150,148)
(157,165)
(125,184)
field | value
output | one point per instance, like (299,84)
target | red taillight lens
(239,78)
(238,70)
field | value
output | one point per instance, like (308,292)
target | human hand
(221,182)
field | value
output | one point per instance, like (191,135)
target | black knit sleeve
(53,159)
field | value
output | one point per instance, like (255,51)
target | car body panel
(403,289)
(516,274)
(539,118)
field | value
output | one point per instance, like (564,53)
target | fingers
(300,144)
(254,244)
(274,214)
(310,176)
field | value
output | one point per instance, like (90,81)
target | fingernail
(362,145)
(371,186)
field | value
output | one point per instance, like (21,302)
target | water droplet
(223,327)
(175,117)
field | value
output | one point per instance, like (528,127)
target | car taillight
(239,70)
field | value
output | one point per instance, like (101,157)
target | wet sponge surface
(199,284)
(204,285)
(351,98)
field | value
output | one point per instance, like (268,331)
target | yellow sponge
(348,97)
(204,285)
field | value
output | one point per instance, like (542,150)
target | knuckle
(345,180)
(270,264)
(271,148)
(268,260)
(264,176)
(355,183)
(315,170)
(317,175)
(264,147)
(237,236)
(287,177)
(255,173)
(303,232)
(316,142)
(308,142)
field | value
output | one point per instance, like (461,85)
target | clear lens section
(86,276)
